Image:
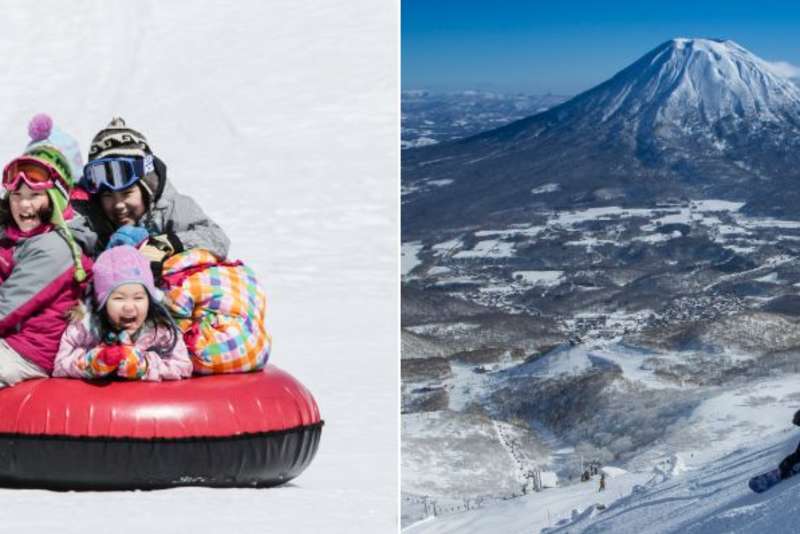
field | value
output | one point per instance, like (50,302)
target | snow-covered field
(712,499)
(280,118)
(694,480)
(736,236)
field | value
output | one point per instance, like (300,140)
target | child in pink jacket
(42,268)
(131,335)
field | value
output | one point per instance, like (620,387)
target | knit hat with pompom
(61,151)
(55,146)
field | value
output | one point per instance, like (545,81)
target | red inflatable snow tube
(254,429)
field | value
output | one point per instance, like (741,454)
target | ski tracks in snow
(513,451)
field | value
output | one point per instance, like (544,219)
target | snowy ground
(281,120)
(710,499)
(534,512)
(739,236)
(713,499)
(694,479)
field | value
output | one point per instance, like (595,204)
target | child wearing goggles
(37,174)
(26,200)
(115,173)
(132,202)
(42,268)
(218,304)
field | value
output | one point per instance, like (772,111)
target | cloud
(786,69)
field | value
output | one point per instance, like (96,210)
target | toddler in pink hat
(129,334)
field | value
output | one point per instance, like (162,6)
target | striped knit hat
(61,151)
(116,139)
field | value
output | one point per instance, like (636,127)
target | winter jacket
(169,213)
(81,343)
(220,308)
(180,217)
(37,288)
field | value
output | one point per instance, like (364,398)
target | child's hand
(157,249)
(102,360)
(133,366)
(111,355)
(167,244)
(128,235)
(152,253)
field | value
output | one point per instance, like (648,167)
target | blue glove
(128,235)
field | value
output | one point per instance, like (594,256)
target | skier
(602,482)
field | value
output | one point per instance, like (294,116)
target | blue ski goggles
(115,173)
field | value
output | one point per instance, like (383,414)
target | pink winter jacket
(37,288)
(79,338)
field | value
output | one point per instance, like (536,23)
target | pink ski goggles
(37,174)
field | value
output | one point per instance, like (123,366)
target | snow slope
(488,457)
(531,513)
(714,499)
(693,479)
(280,118)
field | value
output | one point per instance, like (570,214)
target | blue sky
(541,47)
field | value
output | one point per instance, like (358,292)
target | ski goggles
(37,174)
(115,173)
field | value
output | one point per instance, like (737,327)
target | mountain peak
(697,81)
(711,43)
(713,50)
(689,119)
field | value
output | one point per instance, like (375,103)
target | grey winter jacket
(170,213)
(174,213)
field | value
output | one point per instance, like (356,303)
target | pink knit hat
(118,266)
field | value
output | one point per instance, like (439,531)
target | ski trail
(515,454)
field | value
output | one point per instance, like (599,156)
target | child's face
(127,307)
(26,205)
(123,207)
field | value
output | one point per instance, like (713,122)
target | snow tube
(253,429)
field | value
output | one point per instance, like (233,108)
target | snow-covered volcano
(592,274)
(691,118)
(694,82)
